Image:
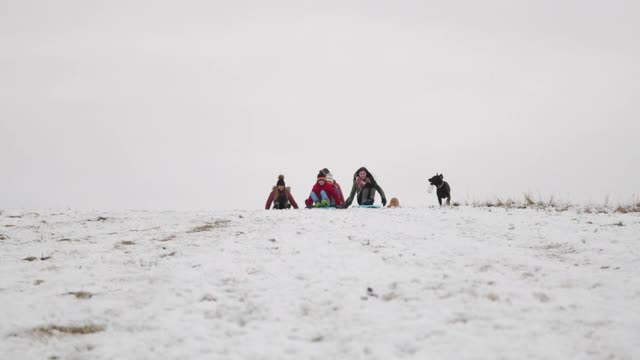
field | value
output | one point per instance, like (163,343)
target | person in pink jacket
(323,194)
(281,196)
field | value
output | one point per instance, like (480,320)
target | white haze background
(201,104)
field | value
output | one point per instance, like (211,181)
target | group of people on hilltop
(326,192)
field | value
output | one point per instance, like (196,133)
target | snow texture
(429,283)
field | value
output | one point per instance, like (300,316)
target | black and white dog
(444,191)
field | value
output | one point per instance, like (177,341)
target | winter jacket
(334,198)
(370,193)
(275,194)
(338,189)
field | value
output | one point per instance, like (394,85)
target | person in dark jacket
(323,194)
(281,196)
(365,186)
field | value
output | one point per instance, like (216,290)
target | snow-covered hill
(429,283)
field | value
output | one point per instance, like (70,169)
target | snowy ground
(451,283)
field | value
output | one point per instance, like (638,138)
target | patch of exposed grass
(169,254)
(81,294)
(208,297)
(127,242)
(169,238)
(624,209)
(527,202)
(99,218)
(203,228)
(317,338)
(4,237)
(542,297)
(528,199)
(30,258)
(210,226)
(52,330)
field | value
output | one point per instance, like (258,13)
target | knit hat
(321,176)
(330,178)
(280,180)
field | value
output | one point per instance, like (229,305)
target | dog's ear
(441,176)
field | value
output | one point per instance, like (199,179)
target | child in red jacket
(323,194)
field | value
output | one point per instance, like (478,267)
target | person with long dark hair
(365,186)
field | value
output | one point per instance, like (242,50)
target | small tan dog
(394,203)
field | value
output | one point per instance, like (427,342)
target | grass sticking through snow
(52,330)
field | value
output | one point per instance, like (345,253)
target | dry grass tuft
(169,238)
(169,254)
(127,242)
(208,298)
(81,294)
(628,208)
(53,330)
(317,338)
(203,228)
(528,202)
(4,237)
(30,258)
(528,199)
(210,226)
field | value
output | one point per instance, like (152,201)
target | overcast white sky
(201,104)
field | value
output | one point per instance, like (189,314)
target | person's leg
(319,201)
(366,196)
(372,196)
(325,198)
